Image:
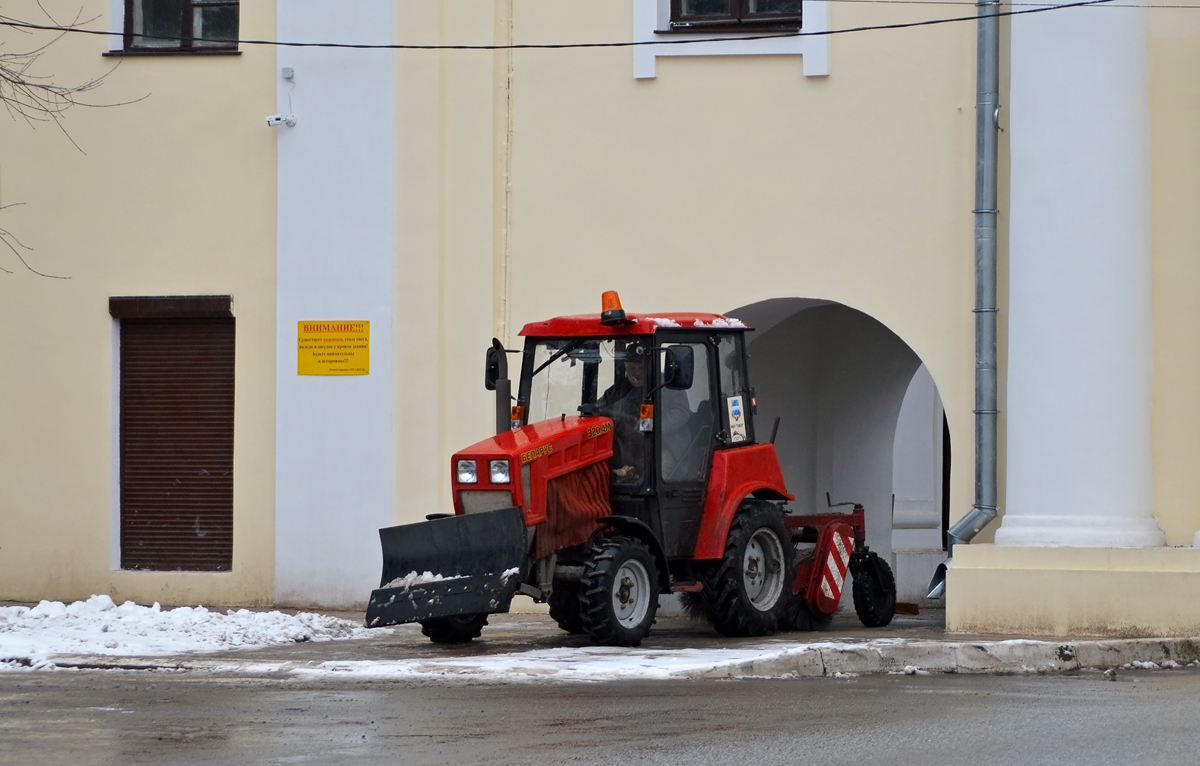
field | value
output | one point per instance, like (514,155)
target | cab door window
(622,401)
(735,394)
(686,422)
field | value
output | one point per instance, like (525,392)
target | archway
(838,379)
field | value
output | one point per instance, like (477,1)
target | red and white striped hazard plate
(834,546)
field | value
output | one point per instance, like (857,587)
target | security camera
(275,120)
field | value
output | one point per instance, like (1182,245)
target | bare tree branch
(40,98)
(9,240)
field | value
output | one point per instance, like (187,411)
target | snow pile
(98,626)
(422,578)
(718,322)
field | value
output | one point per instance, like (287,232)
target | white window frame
(116,25)
(653,16)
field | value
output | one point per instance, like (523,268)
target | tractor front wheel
(874,591)
(618,593)
(745,593)
(454,630)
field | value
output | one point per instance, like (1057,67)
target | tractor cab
(674,388)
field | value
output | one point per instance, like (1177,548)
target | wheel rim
(631,593)
(762,569)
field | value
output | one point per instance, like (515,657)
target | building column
(335,457)
(1080,334)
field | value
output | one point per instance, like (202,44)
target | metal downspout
(987,125)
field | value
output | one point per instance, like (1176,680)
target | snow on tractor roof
(588,325)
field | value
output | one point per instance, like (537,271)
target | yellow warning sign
(339,347)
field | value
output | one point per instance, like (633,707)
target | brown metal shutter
(177,443)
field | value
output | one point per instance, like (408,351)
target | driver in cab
(622,402)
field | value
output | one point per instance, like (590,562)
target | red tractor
(629,467)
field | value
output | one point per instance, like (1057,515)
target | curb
(836,659)
(976,657)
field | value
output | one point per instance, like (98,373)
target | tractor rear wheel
(874,591)
(454,630)
(745,593)
(564,607)
(618,593)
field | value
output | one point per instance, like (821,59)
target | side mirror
(491,369)
(679,368)
(495,366)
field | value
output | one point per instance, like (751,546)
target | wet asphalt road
(164,717)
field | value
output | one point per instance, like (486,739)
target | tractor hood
(534,454)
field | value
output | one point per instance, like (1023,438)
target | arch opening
(860,419)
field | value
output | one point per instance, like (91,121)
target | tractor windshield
(598,377)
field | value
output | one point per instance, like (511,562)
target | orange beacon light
(611,312)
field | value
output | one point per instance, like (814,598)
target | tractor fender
(736,474)
(636,528)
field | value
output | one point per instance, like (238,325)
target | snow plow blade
(449,567)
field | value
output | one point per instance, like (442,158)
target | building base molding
(1080,531)
(1074,591)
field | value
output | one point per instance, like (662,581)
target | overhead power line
(1037,8)
(1191,7)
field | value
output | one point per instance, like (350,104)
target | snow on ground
(777,658)
(589,663)
(99,626)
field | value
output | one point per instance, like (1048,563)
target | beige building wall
(527,182)
(1175,123)
(171,194)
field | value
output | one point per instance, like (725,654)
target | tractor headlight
(468,472)
(498,472)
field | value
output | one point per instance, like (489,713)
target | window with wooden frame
(181,25)
(735,15)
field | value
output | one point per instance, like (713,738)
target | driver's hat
(630,351)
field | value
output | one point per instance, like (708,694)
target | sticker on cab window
(737,419)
